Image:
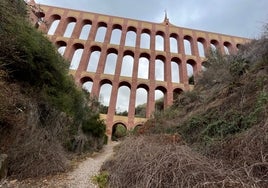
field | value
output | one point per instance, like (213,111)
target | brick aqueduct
(175,47)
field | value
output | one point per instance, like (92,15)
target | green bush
(119,131)
(101,179)
(31,60)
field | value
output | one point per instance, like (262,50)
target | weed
(101,179)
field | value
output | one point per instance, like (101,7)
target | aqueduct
(121,52)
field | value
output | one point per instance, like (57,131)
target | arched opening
(214,45)
(123,96)
(40,15)
(145,39)
(227,48)
(141,101)
(138,129)
(175,70)
(176,93)
(61,45)
(110,63)
(119,131)
(54,24)
(160,68)
(85,30)
(204,66)
(191,67)
(159,98)
(201,47)
(238,46)
(105,95)
(86,83)
(70,27)
(143,68)
(101,32)
(131,37)
(127,64)
(94,59)
(116,34)
(173,40)
(187,45)
(159,41)
(76,56)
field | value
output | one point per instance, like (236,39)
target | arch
(175,70)
(94,59)
(143,66)
(40,15)
(238,46)
(176,93)
(76,58)
(118,133)
(204,66)
(191,70)
(61,45)
(227,48)
(123,98)
(105,93)
(116,34)
(141,101)
(201,47)
(87,83)
(85,29)
(54,24)
(187,41)
(137,128)
(70,27)
(110,63)
(214,45)
(173,41)
(159,41)
(145,39)
(160,68)
(160,98)
(131,36)
(101,32)
(127,64)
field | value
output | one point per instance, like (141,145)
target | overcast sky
(244,18)
(234,17)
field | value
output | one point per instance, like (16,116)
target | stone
(3,166)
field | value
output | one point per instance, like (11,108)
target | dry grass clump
(36,153)
(246,153)
(151,161)
(32,139)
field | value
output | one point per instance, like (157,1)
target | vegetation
(101,179)
(140,110)
(213,136)
(42,112)
(119,132)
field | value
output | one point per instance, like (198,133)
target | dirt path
(80,177)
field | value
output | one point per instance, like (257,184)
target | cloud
(240,17)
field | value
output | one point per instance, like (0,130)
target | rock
(3,166)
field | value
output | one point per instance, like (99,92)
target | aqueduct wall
(174,48)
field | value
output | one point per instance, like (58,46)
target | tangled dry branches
(149,161)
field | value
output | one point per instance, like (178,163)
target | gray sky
(243,18)
(233,17)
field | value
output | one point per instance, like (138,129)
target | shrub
(32,60)
(101,179)
(119,132)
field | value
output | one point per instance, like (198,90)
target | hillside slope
(44,117)
(213,136)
